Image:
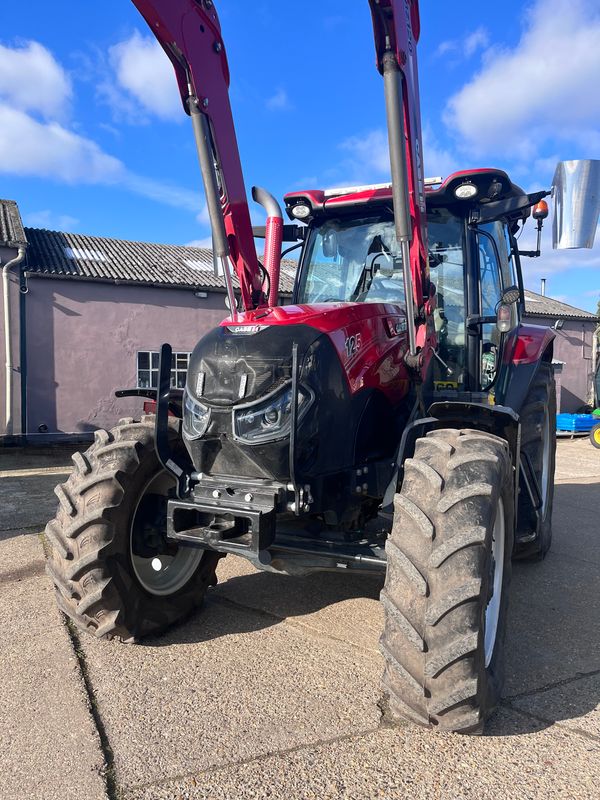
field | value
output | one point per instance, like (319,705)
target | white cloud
(369,157)
(476,40)
(438,161)
(370,160)
(51,221)
(553,262)
(35,92)
(165,193)
(206,242)
(49,150)
(144,71)
(465,47)
(32,80)
(279,101)
(543,89)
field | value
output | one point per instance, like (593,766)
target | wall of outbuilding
(82,341)
(573,347)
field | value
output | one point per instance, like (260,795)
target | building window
(147,369)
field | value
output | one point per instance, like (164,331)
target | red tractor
(385,422)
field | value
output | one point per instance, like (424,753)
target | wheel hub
(161,566)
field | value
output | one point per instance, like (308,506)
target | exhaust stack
(273,239)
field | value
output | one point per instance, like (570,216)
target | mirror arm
(530,253)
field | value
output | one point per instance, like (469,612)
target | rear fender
(530,346)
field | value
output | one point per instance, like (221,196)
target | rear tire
(595,436)
(115,574)
(445,599)
(538,440)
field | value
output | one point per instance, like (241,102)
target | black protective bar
(203,138)
(531,482)
(175,397)
(161,429)
(293,426)
(339,555)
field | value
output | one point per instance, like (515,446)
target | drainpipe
(9,365)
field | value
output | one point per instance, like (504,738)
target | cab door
(490,295)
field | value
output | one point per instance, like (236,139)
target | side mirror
(385,263)
(330,245)
(576,194)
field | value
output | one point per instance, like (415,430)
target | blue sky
(93,138)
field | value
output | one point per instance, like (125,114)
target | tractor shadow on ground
(553,640)
(259,600)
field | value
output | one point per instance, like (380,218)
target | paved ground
(271,691)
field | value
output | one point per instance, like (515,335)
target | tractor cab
(351,255)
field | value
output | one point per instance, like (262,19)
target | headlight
(270,418)
(301,211)
(195,417)
(465,191)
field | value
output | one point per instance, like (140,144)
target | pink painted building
(574,353)
(88,316)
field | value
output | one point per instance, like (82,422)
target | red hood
(326,317)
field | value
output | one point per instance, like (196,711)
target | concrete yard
(271,690)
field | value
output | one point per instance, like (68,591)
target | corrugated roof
(538,305)
(11,226)
(74,255)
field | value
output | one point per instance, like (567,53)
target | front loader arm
(190,34)
(396,28)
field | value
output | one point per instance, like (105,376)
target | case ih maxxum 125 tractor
(397,418)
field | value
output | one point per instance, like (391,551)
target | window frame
(153,359)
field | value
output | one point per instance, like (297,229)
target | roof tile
(100,258)
(539,305)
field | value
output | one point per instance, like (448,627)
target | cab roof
(487,186)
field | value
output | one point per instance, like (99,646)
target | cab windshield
(354,260)
(359,261)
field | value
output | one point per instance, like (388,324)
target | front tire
(115,573)
(446,590)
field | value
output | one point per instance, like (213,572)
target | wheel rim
(597,435)
(492,612)
(545,477)
(161,567)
